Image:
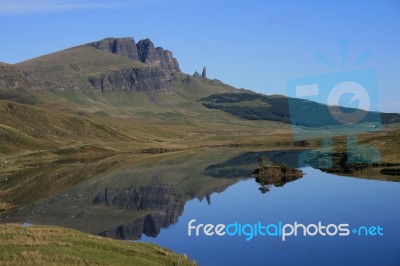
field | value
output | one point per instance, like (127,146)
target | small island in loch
(277,174)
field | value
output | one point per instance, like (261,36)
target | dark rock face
(122,46)
(151,225)
(139,198)
(204,73)
(136,79)
(154,78)
(144,51)
(158,197)
(159,57)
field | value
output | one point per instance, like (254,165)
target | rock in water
(276,174)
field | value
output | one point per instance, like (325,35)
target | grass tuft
(47,245)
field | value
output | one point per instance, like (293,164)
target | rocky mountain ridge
(108,65)
(144,51)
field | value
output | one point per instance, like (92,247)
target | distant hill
(91,67)
(254,106)
(118,65)
(152,74)
(121,95)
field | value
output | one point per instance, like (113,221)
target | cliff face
(154,78)
(139,198)
(144,51)
(121,46)
(159,57)
(150,225)
(163,199)
(136,79)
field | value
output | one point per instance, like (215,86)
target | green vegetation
(276,108)
(76,64)
(49,245)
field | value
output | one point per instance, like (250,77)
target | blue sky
(251,44)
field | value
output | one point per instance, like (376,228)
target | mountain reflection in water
(141,194)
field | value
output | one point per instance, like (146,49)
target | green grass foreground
(49,245)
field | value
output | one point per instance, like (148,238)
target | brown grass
(44,245)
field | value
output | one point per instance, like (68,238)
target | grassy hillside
(118,121)
(49,245)
(16,85)
(76,64)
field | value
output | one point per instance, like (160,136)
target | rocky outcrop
(204,73)
(121,46)
(135,79)
(154,78)
(13,78)
(139,198)
(144,51)
(276,174)
(158,57)
(150,225)
(167,206)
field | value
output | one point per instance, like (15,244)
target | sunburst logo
(343,46)
(342,103)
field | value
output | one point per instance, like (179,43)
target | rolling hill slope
(253,106)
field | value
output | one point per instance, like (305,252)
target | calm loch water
(154,198)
